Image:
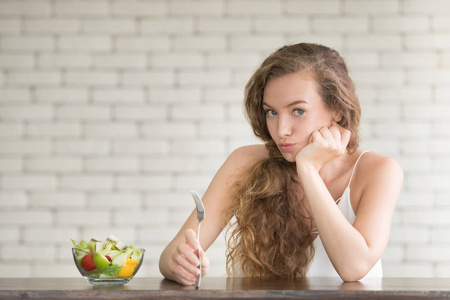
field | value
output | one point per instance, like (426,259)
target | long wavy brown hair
(271,235)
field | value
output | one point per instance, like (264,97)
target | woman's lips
(286,147)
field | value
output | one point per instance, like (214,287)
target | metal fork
(200,217)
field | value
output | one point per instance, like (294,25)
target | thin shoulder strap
(354,167)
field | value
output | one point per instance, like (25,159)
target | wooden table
(228,288)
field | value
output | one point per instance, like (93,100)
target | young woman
(308,202)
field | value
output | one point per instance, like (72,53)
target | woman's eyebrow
(290,104)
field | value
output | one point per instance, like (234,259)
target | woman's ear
(337,117)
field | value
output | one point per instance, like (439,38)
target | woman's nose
(284,127)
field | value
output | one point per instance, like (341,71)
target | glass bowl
(96,277)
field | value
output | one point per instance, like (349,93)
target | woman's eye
(271,112)
(299,112)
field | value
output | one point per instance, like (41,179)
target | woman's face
(294,110)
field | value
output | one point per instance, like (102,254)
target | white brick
(169,130)
(13,200)
(223,25)
(53,129)
(121,61)
(426,112)
(266,42)
(140,147)
(190,7)
(61,95)
(29,252)
(408,269)
(341,25)
(407,235)
(440,129)
(85,43)
(55,269)
(177,60)
(204,78)
(111,165)
(10,165)
(407,94)
(16,61)
(436,147)
(192,182)
(27,43)
(200,147)
(362,60)
(167,25)
(86,182)
(54,164)
(10,130)
(393,253)
(141,113)
(91,218)
(374,42)
(146,43)
(442,270)
(245,7)
(133,78)
(57,200)
(181,200)
(441,235)
(381,112)
(431,6)
(81,147)
(34,78)
(21,218)
(139,8)
(85,112)
(379,78)
(401,24)
(199,43)
(144,183)
(127,234)
(402,130)
(383,146)
(198,112)
(111,130)
(46,235)
(230,95)
(430,181)
(31,182)
(158,235)
(428,253)
(118,95)
(439,23)
(169,164)
(427,217)
(179,95)
(25,147)
(371,7)
(429,41)
(224,130)
(64,60)
(331,40)
(415,164)
(59,26)
(413,60)
(141,218)
(27,8)
(442,199)
(441,164)
(313,7)
(281,26)
(79,8)
(12,95)
(10,26)
(117,201)
(233,60)
(29,112)
(105,26)
(96,78)
(9,235)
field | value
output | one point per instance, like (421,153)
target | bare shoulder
(242,156)
(378,172)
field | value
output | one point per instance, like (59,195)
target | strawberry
(87,262)
(108,257)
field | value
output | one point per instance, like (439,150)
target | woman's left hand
(325,145)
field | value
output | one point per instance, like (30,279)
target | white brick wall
(111,110)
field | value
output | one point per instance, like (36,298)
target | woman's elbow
(355,272)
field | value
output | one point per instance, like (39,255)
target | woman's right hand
(184,263)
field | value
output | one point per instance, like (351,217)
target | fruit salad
(108,260)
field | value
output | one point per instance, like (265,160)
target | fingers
(191,239)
